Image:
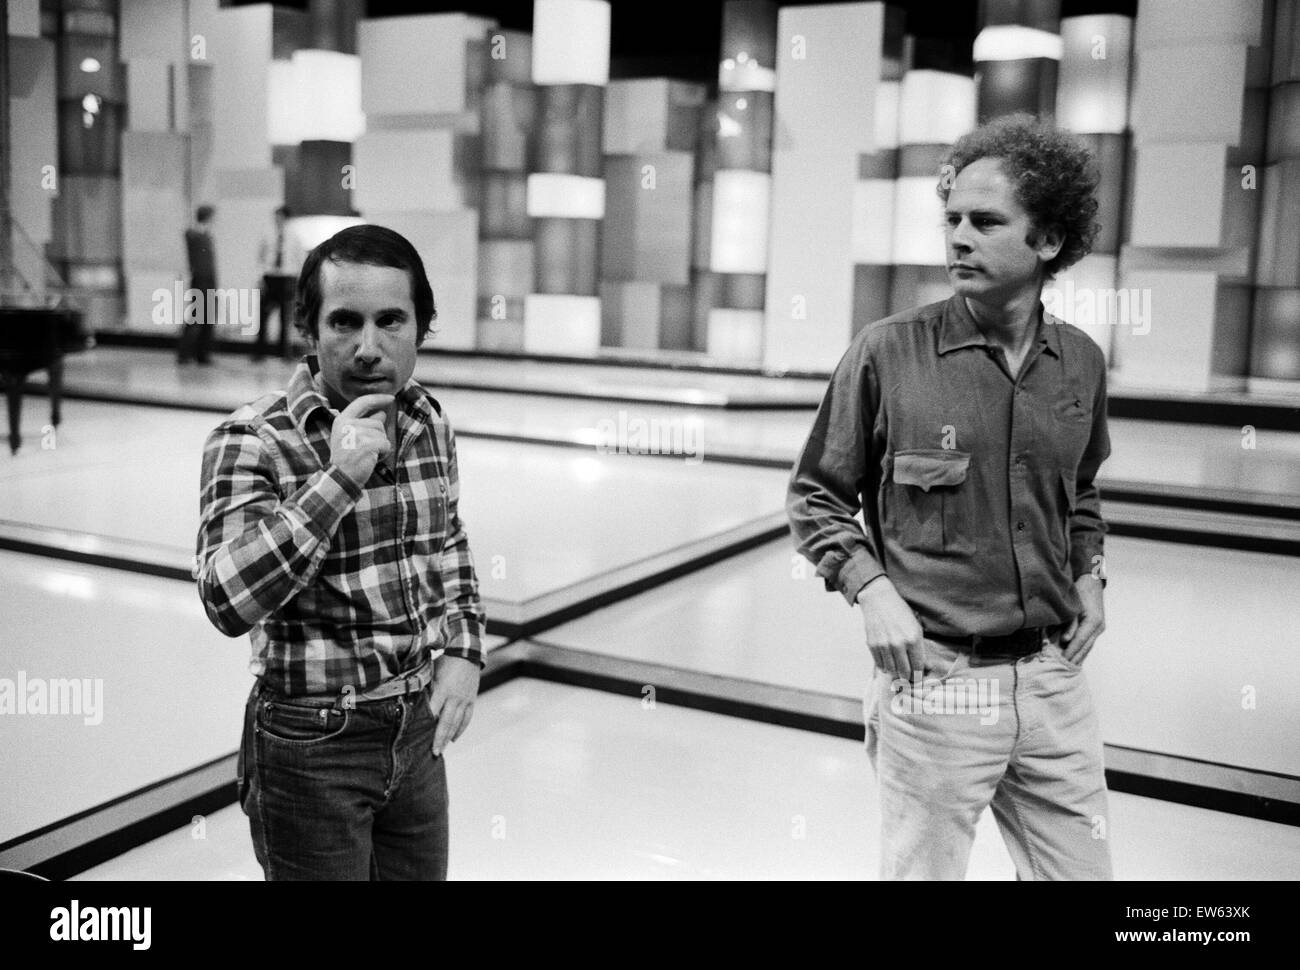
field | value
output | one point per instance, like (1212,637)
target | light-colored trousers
(1018,734)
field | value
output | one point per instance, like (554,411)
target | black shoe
(205,361)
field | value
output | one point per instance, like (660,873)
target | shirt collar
(306,394)
(958,329)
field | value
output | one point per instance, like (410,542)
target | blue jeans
(1017,735)
(344,793)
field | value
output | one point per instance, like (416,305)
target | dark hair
(203,213)
(1054,174)
(285,211)
(372,246)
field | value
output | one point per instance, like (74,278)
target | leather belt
(1021,643)
(411,682)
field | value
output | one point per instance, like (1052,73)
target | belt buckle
(1043,638)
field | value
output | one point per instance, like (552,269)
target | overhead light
(90,65)
(1013,42)
(90,103)
(560,196)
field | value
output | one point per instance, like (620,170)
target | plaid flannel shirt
(338,585)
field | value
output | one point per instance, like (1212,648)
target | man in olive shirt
(969,434)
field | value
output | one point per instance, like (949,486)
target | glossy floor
(541,519)
(555,782)
(1198,659)
(585,784)
(158,369)
(1227,460)
(166,690)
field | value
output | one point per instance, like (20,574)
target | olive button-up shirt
(976,486)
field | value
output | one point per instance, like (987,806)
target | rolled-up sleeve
(255,551)
(826,486)
(465,617)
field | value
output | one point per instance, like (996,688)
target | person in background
(281,258)
(196,336)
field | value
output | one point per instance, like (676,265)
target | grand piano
(32,339)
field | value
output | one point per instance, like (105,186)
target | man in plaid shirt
(330,533)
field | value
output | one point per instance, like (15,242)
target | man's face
(986,229)
(366,330)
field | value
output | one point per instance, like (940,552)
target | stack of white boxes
(418,167)
(566,190)
(1192,235)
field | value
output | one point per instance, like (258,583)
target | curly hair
(1054,174)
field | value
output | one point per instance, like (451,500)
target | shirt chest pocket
(431,521)
(927,505)
(1070,429)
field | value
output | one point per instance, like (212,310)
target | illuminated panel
(1092,93)
(935,108)
(736,336)
(739,236)
(562,325)
(570,42)
(565,196)
(826,103)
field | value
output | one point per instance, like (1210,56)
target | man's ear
(1049,243)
